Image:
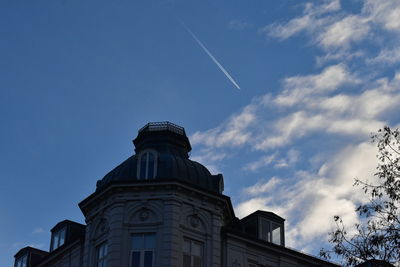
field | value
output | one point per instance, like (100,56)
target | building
(159,208)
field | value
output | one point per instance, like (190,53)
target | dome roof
(169,148)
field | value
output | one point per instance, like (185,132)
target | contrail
(211,56)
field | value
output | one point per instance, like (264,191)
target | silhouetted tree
(378,236)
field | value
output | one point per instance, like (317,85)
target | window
(58,239)
(192,253)
(22,261)
(276,234)
(143,250)
(270,231)
(101,255)
(147,166)
(265,230)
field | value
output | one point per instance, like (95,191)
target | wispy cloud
(321,119)
(38,230)
(233,132)
(313,17)
(310,196)
(261,162)
(384,12)
(209,158)
(314,107)
(211,56)
(291,158)
(386,56)
(319,195)
(275,159)
(298,88)
(343,32)
(239,24)
(262,186)
(334,30)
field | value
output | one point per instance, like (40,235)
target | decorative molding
(144,214)
(236,263)
(101,228)
(194,221)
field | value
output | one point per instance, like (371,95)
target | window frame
(21,261)
(269,231)
(143,250)
(202,252)
(146,154)
(101,261)
(62,232)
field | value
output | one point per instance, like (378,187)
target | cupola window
(147,165)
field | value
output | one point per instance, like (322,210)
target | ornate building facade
(159,208)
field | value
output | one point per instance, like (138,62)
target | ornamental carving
(144,214)
(102,228)
(194,221)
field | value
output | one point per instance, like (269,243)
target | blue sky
(79,78)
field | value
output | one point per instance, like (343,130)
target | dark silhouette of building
(159,208)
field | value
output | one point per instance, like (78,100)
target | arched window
(147,165)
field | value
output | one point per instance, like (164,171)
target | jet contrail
(211,56)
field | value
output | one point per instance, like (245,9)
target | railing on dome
(163,126)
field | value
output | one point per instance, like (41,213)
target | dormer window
(22,261)
(58,239)
(270,231)
(147,165)
(266,226)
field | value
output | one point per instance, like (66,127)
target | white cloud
(341,33)
(291,158)
(233,132)
(297,88)
(262,187)
(291,28)
(312,196)
(209,157)
(341,104)
(293,126)
(354,126)
(262,162)
(385,12)
(316,197)
(310,20)
(386,56)
(335,30)
(338,55)
(317,103)
(252,205)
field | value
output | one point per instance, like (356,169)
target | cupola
(162,153)
(164,136)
